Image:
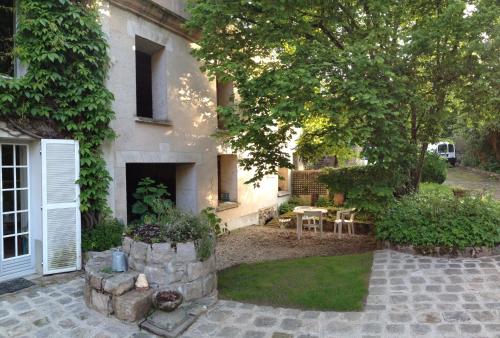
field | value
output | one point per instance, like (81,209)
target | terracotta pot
(338,198)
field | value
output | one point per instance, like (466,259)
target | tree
(383,75)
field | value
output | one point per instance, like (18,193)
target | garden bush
(162,222)
(436,218)
(368,188)
(104,236)
(289,205)
(434,169)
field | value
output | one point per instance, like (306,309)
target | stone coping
(472,252)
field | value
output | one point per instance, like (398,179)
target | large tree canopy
(380,74)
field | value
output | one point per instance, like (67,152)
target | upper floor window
(7,26)
(150,80)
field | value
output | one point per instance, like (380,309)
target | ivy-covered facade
(109,92)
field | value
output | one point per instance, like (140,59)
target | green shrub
(104,236)
(165,223)
(324,202)
(148,191)
(289,205)
(434,169)
(368,188)
(435,217)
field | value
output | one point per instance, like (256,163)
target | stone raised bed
(166,268)
(471,252)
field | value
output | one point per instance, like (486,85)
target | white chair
(350,223)
(339,221)
(344,217)
(312,219)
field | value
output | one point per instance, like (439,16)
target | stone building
(166,117)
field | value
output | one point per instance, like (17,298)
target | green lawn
(337,283)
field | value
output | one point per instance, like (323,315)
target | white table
(299,211)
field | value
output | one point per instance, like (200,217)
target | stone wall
(165,267)
(177,268)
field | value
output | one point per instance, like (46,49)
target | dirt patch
(463,178)
(260,243)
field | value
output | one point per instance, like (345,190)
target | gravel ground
(463,178)
(260,243)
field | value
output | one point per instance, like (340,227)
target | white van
(445,150)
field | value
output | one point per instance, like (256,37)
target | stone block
(138,251)
(160,253)
(120,283)
(87,294)
(192,290)
(136,264)
(175,272)
(133,305)
(156,274)
(195,270)
(101,302)
(209,283)
(127,244)
(95,280)
(186,252)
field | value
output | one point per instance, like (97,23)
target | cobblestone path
(409,296)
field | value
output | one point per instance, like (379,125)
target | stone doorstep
(133,305)
(173,324)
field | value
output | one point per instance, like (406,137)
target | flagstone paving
(409,296)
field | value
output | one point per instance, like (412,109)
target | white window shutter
(61,206)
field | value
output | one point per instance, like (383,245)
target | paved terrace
(409,296)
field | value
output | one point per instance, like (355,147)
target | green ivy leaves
(65,51)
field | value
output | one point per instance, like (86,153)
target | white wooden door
(61,206)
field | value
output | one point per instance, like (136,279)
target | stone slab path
(409,296)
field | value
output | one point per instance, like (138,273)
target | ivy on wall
(65,51)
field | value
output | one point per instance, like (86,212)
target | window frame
(15,212)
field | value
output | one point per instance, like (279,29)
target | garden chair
(350,223)
(344,217)
(312,219)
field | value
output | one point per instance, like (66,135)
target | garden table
(299,211)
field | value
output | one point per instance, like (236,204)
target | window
(15,204)
(225,97)
(143,82)
(227,174)
(150,81)
(442,148)
(7,25)
(283,180)
(451,148)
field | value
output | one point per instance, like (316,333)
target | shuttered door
(61,206)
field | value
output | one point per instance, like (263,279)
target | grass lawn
(338,283)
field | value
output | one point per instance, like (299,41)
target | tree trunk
(417,172)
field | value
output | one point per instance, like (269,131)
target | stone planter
(166,268)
